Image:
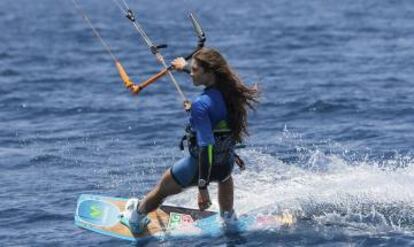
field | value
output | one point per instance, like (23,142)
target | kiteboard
(102,214)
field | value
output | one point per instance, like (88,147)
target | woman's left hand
(203,199)
(179,63)
(240,162)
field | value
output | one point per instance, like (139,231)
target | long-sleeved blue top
(207,110)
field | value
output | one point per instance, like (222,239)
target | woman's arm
(181,64)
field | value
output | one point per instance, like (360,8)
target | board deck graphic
(101,214)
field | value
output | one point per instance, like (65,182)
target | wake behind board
(101,214)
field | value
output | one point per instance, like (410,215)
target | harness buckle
(181,145)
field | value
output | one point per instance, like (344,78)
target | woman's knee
(226,181)
(168,186)
(226,188)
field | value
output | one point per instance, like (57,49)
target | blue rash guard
(207,111)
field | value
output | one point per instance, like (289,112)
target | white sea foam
(326,189)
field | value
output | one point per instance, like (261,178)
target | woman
(218,120)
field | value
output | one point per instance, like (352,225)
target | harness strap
(205,163)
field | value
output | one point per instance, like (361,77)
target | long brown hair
(237,95)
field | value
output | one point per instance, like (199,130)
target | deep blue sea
(332,141)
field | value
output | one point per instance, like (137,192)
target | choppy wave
(327,190)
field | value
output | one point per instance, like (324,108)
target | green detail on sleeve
(210,155)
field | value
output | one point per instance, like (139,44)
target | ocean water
(331,141)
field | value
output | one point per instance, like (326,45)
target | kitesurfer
(218,120)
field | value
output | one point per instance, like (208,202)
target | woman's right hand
(187,105)
(179,63)
(203,199)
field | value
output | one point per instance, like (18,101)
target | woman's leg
(166,187)
(225,195)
